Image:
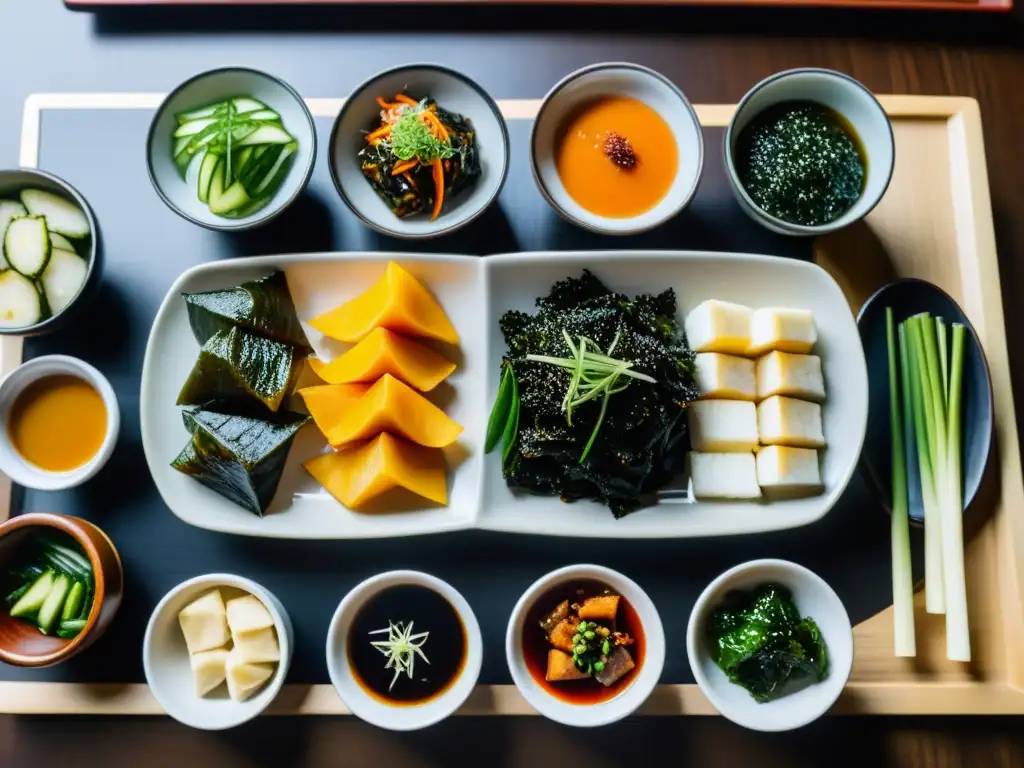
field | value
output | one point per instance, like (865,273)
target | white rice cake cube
(723,426)
(718,326)
(787,330)
(724,476)
(781,467)
(204,623)
(783,373)
(725,377)
(788,421)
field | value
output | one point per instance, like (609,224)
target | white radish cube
(725,377)
(787,330)
(209,669)
(259,645)
(723,426)
(204,623)
(718,326)
(724,476)
(783,373)
(780,467)
(245,679)
(787,421)
(247,614)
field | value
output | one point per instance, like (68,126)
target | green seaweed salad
(760,641)
(593,395)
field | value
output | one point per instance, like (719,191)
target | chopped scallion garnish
(594,374)
(401,648)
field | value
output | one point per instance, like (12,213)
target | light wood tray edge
(983,302)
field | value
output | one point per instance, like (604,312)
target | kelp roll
(408,184)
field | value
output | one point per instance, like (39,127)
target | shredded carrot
(403,99)
(437,125)
(386,104)
(380,133)
(412,182)
(438,187)
(404,166)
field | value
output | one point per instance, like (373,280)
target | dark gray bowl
(452,90)
(909,297)
(11,183)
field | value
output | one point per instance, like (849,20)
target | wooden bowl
(21,644)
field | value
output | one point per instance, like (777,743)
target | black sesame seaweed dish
(802,163)
(592,397)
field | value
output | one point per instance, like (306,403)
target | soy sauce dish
(404,650)
(585,646)
(808,151)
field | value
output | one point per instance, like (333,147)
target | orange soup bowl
(617,149)
(21,643)
(49,442)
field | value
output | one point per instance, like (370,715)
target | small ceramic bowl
(633,695)
(452,91)
(367,707)
(21,470)
(617,79)
(840,93)
(908,297)
(21,644)
(814,598)
(181,195)
(165,657)
(11,183)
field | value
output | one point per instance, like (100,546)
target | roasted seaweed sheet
(239,457)
(413,191)
(643,440)
(262,306)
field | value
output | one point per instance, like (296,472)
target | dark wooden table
(715,56)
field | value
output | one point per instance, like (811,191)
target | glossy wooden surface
(715,58)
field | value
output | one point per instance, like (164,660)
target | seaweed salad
(593,395)
(760,641)
(420,156)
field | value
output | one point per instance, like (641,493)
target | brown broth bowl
(536,646)
(21,644)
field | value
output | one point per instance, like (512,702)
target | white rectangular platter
(475,292)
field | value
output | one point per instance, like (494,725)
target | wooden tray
(917,5)
(936,223)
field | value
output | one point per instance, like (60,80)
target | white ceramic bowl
(633,695)
(454,92)
(180,195)
(29,475)
(814,598)
(842,94)
(365,706)
(617,79)
(168,671)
